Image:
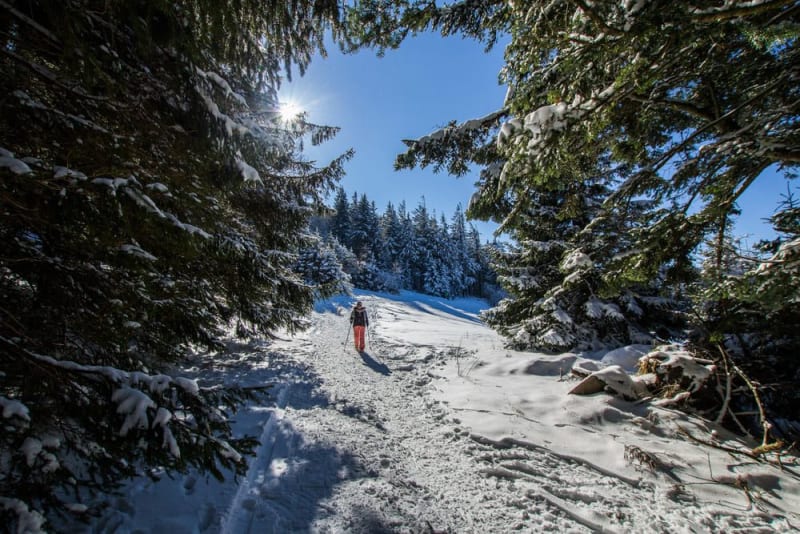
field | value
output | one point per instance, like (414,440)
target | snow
(626,357)
(65,172)
(134,404)
(689,366)
(130,186)
(137,251)
(29,521)
(224,85)
(31,448)
(13,408)
(598,309)
(577,259)
(144,201)
(562,316)
(788,254)
(162,417)
(158,186)
(545,118)
(466,126)
(14,165)
(438,427)
(249,174)
(618,380)
(231,126)
(188,385)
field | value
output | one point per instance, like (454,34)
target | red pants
(358,337)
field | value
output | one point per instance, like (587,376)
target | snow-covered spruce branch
(230,126)
(544,122)
(138,408)
(70,119)
(156,383)
(779,258)
(787,253)
(586,8)
(736,10)
(164,412)
(223,84)
(27,520)
(49,76)
(632,182)
(133,190)
(459,129)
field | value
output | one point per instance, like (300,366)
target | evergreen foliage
(400,250)
(151,196)
(321,268)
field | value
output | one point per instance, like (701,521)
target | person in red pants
(360,322)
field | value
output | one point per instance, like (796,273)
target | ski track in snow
(359,444)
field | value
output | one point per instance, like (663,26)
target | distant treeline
(397,249)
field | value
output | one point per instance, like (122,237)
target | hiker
(360,322)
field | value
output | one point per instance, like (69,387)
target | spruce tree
(364,229)
(392,246)
(420,250)
(405,239)
(464,275)
(439,269)
(321,269)
(390,228)
(340,221)
(152,195)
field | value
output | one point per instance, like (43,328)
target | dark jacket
(358,317)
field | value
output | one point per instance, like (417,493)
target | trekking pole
(369,336)
(347,338)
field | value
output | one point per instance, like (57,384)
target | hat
(358,304)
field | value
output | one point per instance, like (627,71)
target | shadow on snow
(466,309)
(376,366)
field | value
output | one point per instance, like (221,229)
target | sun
(289,110)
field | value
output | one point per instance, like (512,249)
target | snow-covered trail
(361,447)
(365,445)
(437,428)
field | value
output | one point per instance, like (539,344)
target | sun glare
(289,110)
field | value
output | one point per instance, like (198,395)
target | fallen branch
(759,456)
(765,424)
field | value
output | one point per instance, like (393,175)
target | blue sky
(412,91)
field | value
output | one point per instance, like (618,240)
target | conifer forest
(153,198)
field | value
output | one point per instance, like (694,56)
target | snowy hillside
(438,428)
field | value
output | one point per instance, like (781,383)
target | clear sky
(412,91)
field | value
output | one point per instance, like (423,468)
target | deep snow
(438,428)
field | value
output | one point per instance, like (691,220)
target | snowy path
(376,455)
(436,428)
